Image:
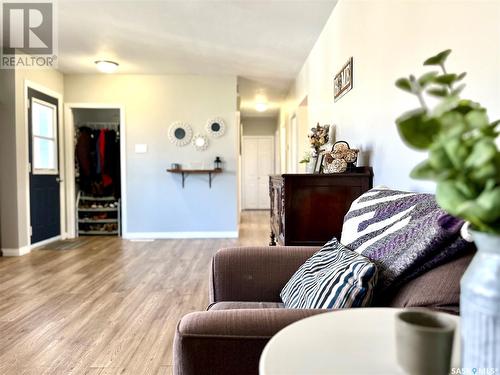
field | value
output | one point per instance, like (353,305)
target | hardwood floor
(103,305)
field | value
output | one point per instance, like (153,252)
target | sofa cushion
(244,305)
(437,289)
(334,277)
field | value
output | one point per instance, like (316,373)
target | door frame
(69,137)
(62,191)
(294,144)
(243,173)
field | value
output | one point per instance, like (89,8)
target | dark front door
(45,202)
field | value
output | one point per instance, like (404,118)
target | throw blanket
(404,233)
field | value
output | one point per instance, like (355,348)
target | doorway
(257,165)
(293,159)
(44,167)
(95,135)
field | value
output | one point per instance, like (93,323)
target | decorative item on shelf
(216,127)
(318,168)
(175,166)
(309,160)
(463,160)
(341,158)
(343,81)
(200,142)
(318,137)
(180,133)
(217,163)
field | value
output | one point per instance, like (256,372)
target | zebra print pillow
(334,277)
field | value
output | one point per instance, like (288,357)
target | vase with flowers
(464,160)
(318,137)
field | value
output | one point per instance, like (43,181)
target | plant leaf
(439,92)
(427,78)
(452,123)
(417,130)
(425,171)
(477,118)
(404,84)
(483,152)
(456,151)
(438,59)
(484,174)
(447,104)
(449,197)
(490,202)
(446,79)
(456,91)
(438,157)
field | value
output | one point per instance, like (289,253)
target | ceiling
(263,42)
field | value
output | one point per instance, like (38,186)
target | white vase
(310,166)
(480,306)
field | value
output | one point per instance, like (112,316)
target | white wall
(157,204)
(389,39)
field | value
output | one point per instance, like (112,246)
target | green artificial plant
(463,155)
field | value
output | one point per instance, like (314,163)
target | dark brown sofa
(245,308)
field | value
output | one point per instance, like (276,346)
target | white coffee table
(353,341)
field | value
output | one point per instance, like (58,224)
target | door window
(44,120)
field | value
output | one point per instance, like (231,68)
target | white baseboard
(45,242)
(27,249)
(16,252)
(174,235)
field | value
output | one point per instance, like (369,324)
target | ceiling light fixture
(261,106)
(106,66)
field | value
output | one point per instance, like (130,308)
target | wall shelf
(187,172)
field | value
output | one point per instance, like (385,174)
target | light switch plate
(141,148)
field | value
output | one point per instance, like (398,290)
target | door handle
(58,179)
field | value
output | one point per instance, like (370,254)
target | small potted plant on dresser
(464,160)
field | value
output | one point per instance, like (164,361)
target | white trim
(70,157)
(62,191)
(186,235)
(16,252)
(45,242)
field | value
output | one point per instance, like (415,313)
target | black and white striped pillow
(334,277)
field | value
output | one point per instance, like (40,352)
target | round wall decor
(180,133)
(216,127)
(200,142)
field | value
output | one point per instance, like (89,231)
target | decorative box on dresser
(309,209)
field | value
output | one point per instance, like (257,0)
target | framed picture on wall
(343,80)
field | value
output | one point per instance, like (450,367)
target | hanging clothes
(98,157)
(84,157)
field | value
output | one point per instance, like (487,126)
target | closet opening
(97,171)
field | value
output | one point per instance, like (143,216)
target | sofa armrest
(254,273)
(228,341)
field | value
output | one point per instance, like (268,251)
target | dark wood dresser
(309,209)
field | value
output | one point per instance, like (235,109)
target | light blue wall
(156,202)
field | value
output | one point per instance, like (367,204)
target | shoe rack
(98,216)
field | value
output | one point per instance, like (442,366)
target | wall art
(343,81)
(180,133)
